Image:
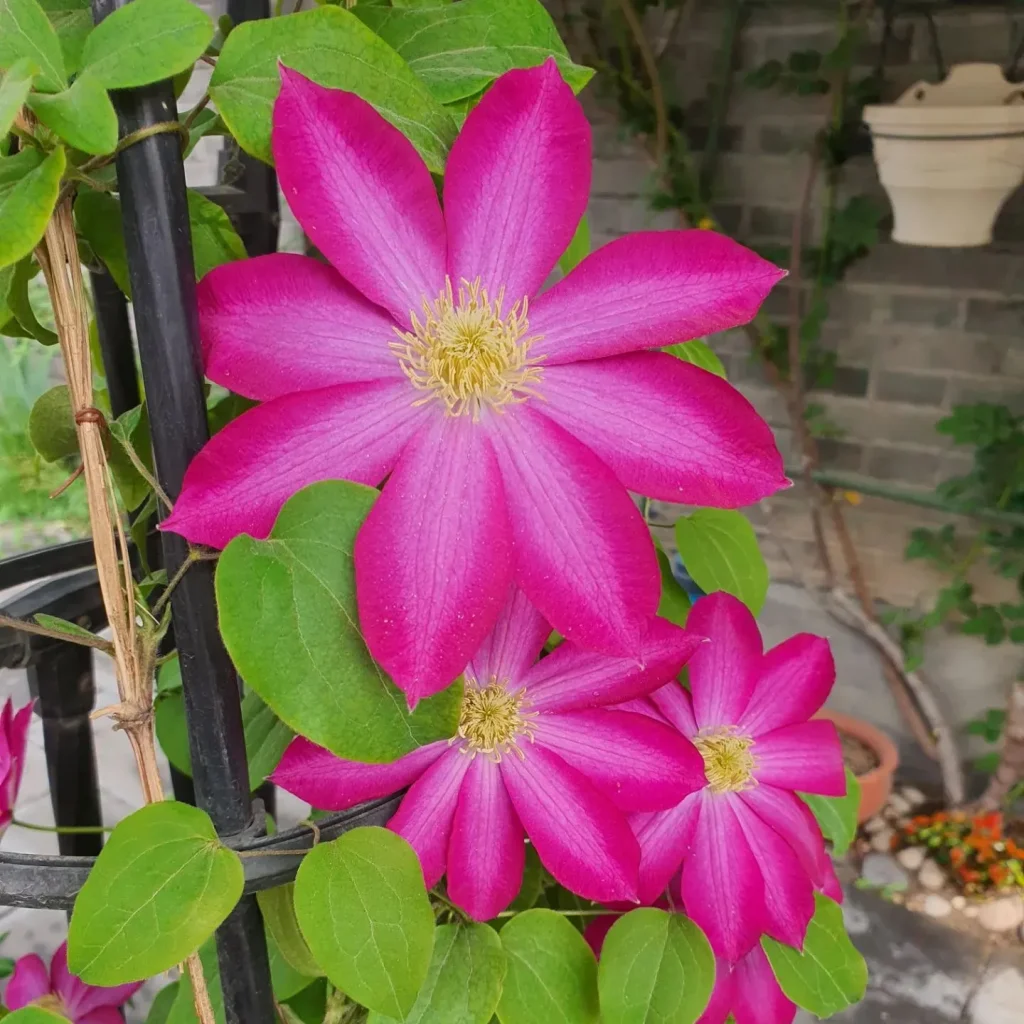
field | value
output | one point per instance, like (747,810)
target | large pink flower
(63,993)
(537,751)
(510,425)
(13,740)
(753,851)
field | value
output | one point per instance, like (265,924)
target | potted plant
(950,154)
(871,756)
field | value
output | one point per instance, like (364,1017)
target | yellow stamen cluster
(468,355)
(53,1003)
(492,721)
(728,762)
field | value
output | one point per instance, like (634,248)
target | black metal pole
(151,179)
(115,334)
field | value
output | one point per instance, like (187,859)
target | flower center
(728,762)
(51,1002)
(492,720)
(466,353)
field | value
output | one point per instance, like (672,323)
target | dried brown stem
(1011,755)
(650,64)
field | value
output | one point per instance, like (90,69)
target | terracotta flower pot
(875,785)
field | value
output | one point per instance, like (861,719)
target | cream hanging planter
(949,155)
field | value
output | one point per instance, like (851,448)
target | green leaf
(459,49)
(675,603)
(51,426)
(25,31)
(837,815)
(362,908)
(14,90)
(266,738)
(172,730)
(168,675)
(656,968)
(288,617)
(160,1011)
(146,41)
(278,909)
(333,47)
(34,1015)
(72,20)
(131,429)
(28,193)
(98,216)
(464,980)
(830,974)
(699,353)
(159,888)
(579,247)
(20,304)
(183,1009)
(72,629)
(551,975)
(719,549)
(81,115)
(284,979)
(214,240)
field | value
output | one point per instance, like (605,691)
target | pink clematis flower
(537,751)
(510,425)
(13,740)
(753,851)
(63,993)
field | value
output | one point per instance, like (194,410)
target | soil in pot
(857,755)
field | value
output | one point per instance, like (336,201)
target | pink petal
(517,182)
(18,734)
(722,996)
(830,884)
(331,783)
(794,680)
(426,606)
(757,997)
(424,818)
(648,290)
(246,472)
(579,835)
(788,892)
(722,884)
(361,193)
(514,644)
(102,1015)
(665,838)
(597,931)
(571,678)
(723,672)
(283,323)
(641,706)
(486,852)
(583,554)
(674,703)
(667,428)
(805,757)
(637,763)
(29,982)
(792,819)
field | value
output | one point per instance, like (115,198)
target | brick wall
(914,330)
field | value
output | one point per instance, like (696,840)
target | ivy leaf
(371,880)
(14,91)
(551,975)
(28,193)
(266,738)
(289,619)
(837,815)
(25,31)
(331,46)
(830,974)
(699,353)
(19,303)
(172,730)
(579,247)
(72,21)
(51,426)
(719,549)
(459,49)
(81,115)
(214,240)
(464,980)
(160,887)
(655,967)
(277,906)
(146,41)
(98,217)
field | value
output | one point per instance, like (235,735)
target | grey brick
(621,177)
(842,455)
(780,46)
(933,311)
(857,307)
(729,217)
(981,270)
(849,380)
(769,222)
(908,465)
(969,392)
(730,137)
(997,317)
(913,388)
(788,136)
(939,350)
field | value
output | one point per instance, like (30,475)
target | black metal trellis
(158,245)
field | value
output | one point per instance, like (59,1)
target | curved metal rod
(52,883)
